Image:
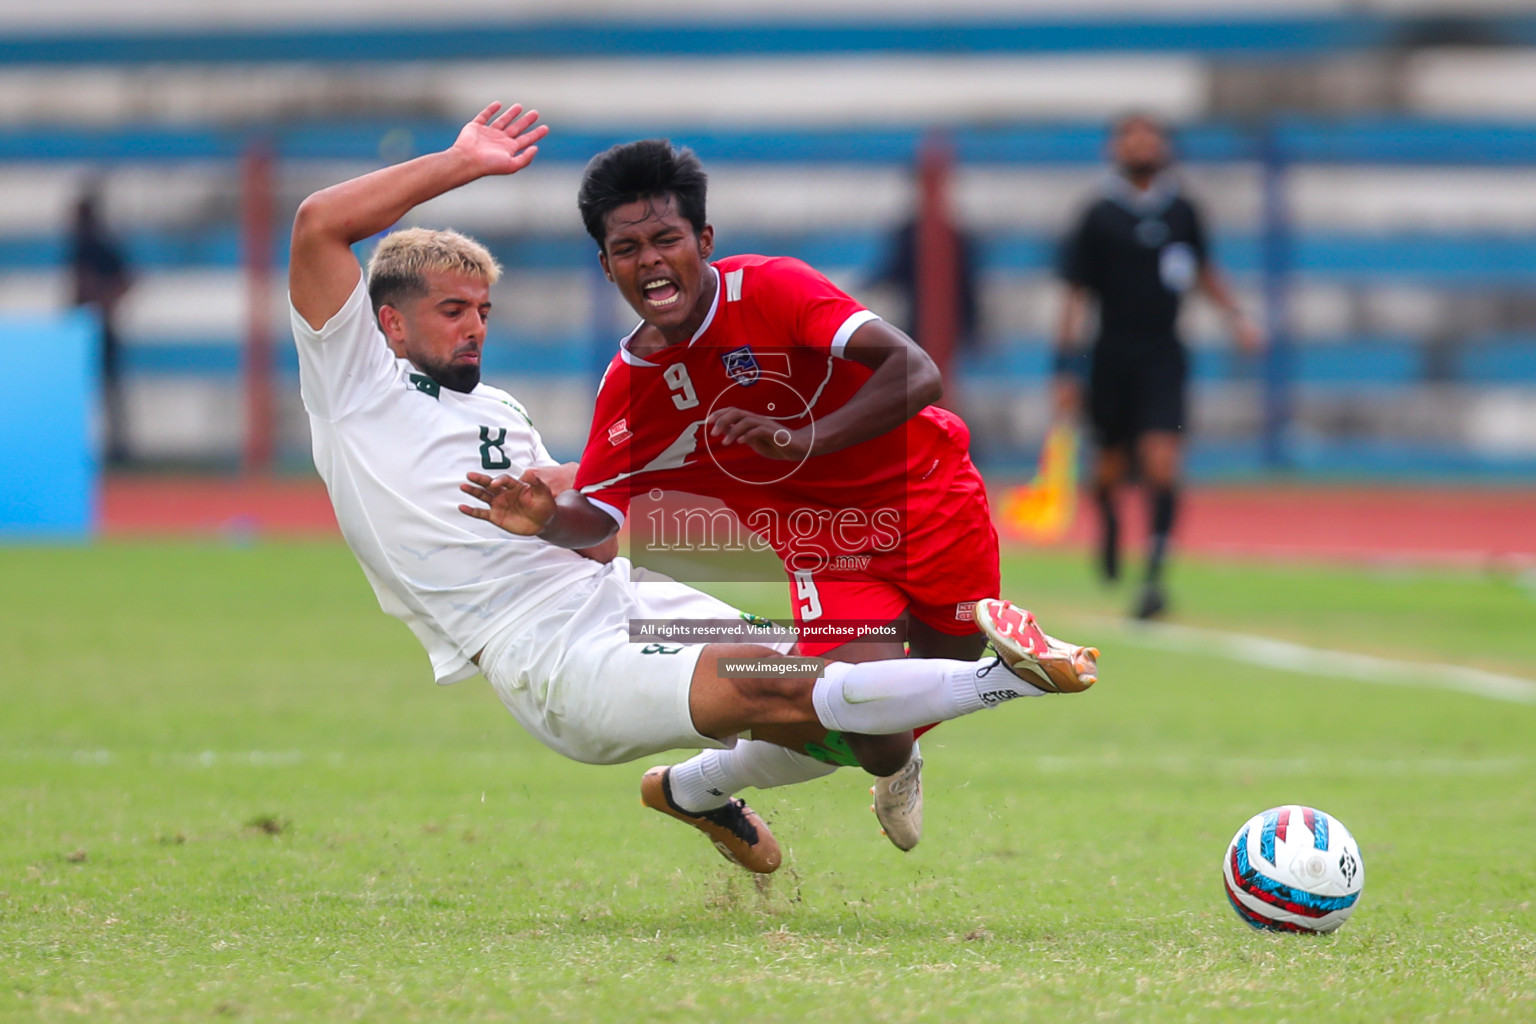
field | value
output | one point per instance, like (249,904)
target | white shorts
(572,677)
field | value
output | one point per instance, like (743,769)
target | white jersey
(393,447)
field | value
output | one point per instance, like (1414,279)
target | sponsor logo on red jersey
(619,432)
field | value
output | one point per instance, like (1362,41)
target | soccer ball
(1293,869)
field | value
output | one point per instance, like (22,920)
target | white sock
(880,697)
(709,779)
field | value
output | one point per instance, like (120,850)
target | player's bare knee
(775,700)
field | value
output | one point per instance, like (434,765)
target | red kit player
(754,381)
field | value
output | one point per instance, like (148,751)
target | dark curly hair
(639,170)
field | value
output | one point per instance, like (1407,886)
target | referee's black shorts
(1135,390)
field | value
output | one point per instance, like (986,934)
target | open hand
(768,437)
(521,506)
(504,145)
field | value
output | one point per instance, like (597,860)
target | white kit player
(389,371)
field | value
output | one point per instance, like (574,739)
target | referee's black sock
(1109,534)
(1164,507)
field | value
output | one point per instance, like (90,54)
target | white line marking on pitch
(1207,766)
(1320,661)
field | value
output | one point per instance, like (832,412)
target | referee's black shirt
(1138,253)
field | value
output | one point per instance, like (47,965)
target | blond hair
(401,262)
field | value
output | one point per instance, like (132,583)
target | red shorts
(943,566)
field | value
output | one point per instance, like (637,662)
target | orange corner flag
(1042,510)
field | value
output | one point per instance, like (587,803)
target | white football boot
(899,803)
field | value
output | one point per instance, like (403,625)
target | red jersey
(771,344)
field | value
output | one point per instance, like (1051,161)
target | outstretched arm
(904,383)
(527,507)
(322,271)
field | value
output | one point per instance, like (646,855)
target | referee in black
(1135,251)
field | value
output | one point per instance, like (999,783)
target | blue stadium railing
(1343,140)
(1255,33)
(1446,260)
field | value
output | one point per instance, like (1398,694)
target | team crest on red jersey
(741,366)
(619,432)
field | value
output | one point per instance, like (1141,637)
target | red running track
(1352,523)
(176,506)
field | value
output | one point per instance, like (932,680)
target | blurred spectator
(1136,250)
(101,279)
(899,271)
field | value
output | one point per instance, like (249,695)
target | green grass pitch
(229,790)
